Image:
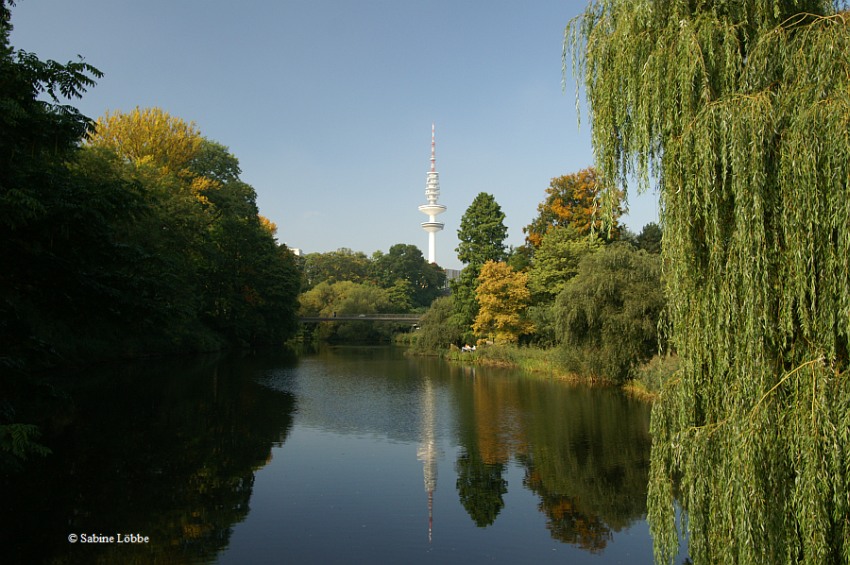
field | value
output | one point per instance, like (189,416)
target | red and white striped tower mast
(432,209)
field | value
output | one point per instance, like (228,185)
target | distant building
(451,274)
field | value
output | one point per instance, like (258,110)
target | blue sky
(328,104)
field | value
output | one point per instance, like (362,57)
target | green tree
(215,162)
(206,230)
(649,238)
(347,298)
(482,235)
(400,293)
(520,257)
(336,266)
(482,232)
(344,298)
(249,282)
(557,259)
(741,109)
(502,295)
(608,313)
(405,262)
(574,200)
(36,135)
(39,201)
(48,214)
(439,328)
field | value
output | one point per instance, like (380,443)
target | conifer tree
(482,235)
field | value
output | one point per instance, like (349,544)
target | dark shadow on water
(166,449)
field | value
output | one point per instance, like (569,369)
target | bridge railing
(364,318)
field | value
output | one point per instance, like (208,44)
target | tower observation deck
(432,209)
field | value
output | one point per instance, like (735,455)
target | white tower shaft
(432,209)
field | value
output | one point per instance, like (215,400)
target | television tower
(432,209)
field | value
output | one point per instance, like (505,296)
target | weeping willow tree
(739,110)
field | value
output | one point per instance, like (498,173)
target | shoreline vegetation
(644,383)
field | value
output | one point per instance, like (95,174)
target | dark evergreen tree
(482,235)
(482,232)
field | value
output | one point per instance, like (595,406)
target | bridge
(408,318)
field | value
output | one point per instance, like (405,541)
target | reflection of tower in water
(428,452)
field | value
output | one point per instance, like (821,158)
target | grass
(650,378)
(529,359)
(645,384)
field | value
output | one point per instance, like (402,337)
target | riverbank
(645,382)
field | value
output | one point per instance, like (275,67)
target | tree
(150,136)
(482,232)
(211,159)
(649,239)
(557,259)
(231,276)
(405,262)
(346,298)
(482,235)
(553,265)
(37,200)
(740,108)
(574,200)
(502,295)
(173,230)
(250,284)
(520,257)
(439,327)
(335,266)
(36,135)
(608,314)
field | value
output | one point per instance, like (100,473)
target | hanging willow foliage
(740,111)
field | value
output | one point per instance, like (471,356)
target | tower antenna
(433,151)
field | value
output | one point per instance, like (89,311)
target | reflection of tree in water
(585,452)
(164,451)
(598,456)
(486,434)
(565,519)
(480,486)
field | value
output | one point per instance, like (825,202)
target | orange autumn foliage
(574,200)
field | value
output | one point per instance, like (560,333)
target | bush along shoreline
(644,382)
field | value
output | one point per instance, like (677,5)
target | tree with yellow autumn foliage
(206,222)
(149,136)
(575,200)
(503,298)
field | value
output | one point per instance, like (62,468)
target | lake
(344,455)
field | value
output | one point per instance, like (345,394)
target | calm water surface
(342,456)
